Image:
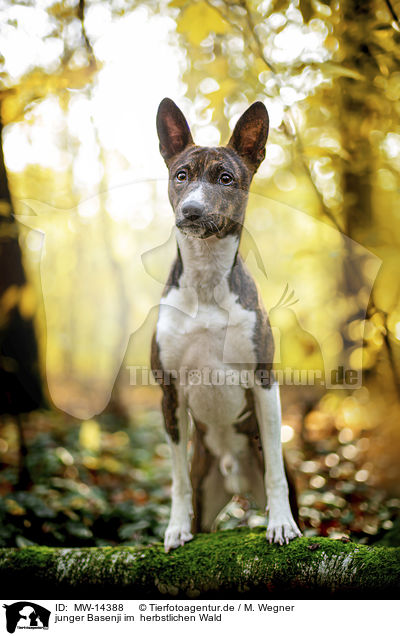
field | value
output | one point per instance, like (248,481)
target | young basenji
(211,326)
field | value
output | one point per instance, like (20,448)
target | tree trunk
(20,383)
(229,564)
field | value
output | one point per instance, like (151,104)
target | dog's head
(208,187)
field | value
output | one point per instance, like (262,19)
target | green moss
(235,562)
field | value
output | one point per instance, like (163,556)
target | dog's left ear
(173,129)
(250,134)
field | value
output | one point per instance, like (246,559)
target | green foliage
(111,486)
(79,497)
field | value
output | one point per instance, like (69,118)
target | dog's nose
(192,211)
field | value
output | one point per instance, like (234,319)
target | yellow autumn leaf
(89,435)
(10,298)
(259,66)
(315,151)
(198,20)
(27,302)
(218,68)
(92,463)
(5,208)
(325,151)
(225,88)
(14,508)
(338,70)
(112,465)
(77,502)
(177,4)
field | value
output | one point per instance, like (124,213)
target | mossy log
(229,564)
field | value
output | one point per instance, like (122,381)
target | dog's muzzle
(190,218)
(192,211)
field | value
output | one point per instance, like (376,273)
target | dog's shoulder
(244,287)
(174,274)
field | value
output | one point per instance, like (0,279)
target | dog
(212,324)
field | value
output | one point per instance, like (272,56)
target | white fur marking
(178,530)
(194,196)
(281,525)
(196,341)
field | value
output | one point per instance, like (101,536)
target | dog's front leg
(178,530)
(281,525)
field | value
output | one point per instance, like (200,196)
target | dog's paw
(282,531)
(176,535)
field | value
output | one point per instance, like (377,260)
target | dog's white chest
(201,322)
(204,336)
(216,336)
(206,351)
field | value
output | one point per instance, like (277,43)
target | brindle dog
(211,326)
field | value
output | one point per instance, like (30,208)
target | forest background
(86,241)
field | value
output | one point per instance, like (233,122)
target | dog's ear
(172,128)
(250,134)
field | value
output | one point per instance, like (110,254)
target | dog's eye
(181,175)
(225,178)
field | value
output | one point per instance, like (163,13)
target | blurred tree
(20,383)
(328,73)
(21,387)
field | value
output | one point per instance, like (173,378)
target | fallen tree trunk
(229,564)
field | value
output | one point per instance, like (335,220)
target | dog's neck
(206,262)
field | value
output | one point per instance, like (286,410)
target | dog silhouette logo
(26,615)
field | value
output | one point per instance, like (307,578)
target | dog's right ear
(173,129)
